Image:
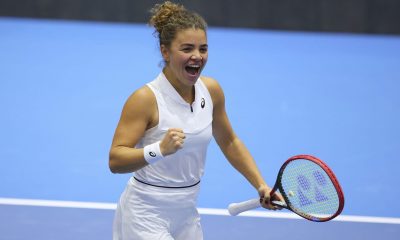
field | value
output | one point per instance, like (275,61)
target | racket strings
(309,190)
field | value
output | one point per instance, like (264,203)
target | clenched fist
(173,141)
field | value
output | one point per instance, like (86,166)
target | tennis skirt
(146,212)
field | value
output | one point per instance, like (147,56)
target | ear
(164,52)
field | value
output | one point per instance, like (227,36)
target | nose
(196,56)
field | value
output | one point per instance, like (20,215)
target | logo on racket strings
(305,188)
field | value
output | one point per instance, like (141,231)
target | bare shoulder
(143,94)
(210,83)
(142,101)
(214,88)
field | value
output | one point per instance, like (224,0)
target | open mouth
(193,69)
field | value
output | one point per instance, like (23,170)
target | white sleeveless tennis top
(186,166)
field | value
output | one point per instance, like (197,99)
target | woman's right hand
(173,141)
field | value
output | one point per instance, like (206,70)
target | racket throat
(279,203)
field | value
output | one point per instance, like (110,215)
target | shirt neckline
(167,88)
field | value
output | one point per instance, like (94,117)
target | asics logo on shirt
(203,102)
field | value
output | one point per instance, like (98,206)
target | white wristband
(152,153)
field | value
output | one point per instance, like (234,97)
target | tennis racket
(309,188)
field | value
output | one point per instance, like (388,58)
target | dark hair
(168,18)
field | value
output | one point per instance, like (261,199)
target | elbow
(112,164)
(119,163)
(112,167)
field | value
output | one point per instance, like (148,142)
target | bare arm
(232,147)
(135,119)
(139,113)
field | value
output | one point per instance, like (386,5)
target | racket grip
(236,208)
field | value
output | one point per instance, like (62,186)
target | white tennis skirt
(147,212)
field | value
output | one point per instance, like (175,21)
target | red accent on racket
(309,187)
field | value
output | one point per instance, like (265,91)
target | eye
(187,49)
(203,50)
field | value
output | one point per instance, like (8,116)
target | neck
(186,92)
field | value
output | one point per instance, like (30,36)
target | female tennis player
(163,134)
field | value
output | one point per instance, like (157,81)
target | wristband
(152,153)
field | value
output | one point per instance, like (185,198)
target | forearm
(125,159)
(241,159)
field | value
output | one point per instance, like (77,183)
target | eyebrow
(192,45)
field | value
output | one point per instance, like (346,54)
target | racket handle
(236,208)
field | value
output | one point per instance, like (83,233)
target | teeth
(194,66)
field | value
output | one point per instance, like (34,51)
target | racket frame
(289,206)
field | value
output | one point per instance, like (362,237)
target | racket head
(310,188)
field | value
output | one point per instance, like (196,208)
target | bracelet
(152,153)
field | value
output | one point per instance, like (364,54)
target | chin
(193,79)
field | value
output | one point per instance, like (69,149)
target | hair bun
(161,14)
